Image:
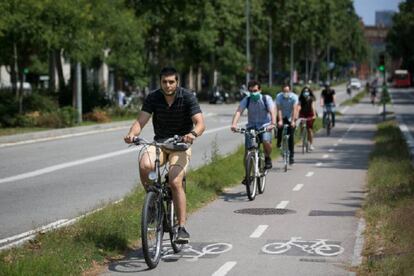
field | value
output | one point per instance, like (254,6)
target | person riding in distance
(174,111)
(307,110)
(287,113)
(260,113)
(328,102)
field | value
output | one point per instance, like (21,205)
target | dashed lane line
(309,174)
(282,204)
(319,164)
(298,187)
(325,156)
(259,231)
(331,150)
(224,269)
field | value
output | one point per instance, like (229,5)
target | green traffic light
(381,68)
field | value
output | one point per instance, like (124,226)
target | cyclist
(261,113)
(287,111)
(374,87)
(307,110)
(174,111)
(328,101)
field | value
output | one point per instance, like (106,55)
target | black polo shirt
(327,95)
(171,120)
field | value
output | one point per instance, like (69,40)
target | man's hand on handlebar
(129,139)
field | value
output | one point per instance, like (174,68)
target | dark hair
(253,83)
(169,71)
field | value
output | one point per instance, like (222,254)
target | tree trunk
(59,68)
(52,71)
(14,71)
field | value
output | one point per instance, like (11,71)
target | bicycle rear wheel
(251,180)
(262,171)
(152,229)
(328,125)
(304,140)
(286,153)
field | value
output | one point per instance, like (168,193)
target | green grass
(389,208)
(108,234)
(355,99)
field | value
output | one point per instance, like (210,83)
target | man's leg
(279,136)
(267,146)
(178,162)
(292,144)
(147,164)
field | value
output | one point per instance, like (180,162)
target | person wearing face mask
(307,110)
(287,113)
(261,113)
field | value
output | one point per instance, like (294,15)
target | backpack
(264,101)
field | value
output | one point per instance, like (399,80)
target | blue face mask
(306,94)
(255,96)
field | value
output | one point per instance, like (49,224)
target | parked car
(354,83)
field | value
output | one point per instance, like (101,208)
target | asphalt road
(51,177)
(310,212)
(402,106)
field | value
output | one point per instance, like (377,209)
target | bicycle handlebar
(257,131)
(170,143)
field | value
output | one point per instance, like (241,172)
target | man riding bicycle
(287,113)
(328,103)
(261,113)
(174,111)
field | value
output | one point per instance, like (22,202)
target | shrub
(97,115)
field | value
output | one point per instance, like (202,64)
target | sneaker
(244,181)
(268,163)
(311,147)
(182,236)
(291,161)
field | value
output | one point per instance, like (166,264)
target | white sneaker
(311,148)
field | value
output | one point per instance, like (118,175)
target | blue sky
(366,8)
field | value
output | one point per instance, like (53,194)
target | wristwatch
(194,133)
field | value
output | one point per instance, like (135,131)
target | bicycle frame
(285,145)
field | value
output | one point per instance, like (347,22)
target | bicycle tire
(173,227)
(328,125)
(276,248)
(285,153)
(251,180)
(329,250)
(262,171)
(152,229)
(304,140)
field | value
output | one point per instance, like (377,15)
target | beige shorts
(175,158)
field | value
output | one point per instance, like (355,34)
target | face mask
(306,94)
(255,96)
(286,95)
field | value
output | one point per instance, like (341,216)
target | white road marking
(282,204)
(318,164)
(325,156)
(336,144)
(224,269)
(331,150)
(259,231)
(345,109)
(340,140)
(309,174)
(297,187)
(80,162)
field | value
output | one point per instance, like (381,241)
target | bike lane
(316,202)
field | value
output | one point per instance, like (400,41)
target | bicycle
(302,122)
(285,146)
(254,162)
(318,247)
(327,109)
(158,214)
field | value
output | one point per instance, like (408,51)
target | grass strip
(109,234)
(389,208)
(355,99)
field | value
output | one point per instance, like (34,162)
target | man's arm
(236,118)
(199,127)
(137,126)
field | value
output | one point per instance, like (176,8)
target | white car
(355,83)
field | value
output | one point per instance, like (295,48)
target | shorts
(175,158)
(264,137)
(309,121)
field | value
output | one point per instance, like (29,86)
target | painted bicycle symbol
(316,247)
(192,254)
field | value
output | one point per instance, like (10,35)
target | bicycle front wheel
(152,229)
(262,171)
(304,141)
(251,180)
(328,126)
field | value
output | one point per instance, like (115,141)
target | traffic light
(381,64)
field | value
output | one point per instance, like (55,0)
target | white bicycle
(318,246)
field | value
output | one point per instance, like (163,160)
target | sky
(366,8)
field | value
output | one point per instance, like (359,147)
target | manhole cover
(263,211)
